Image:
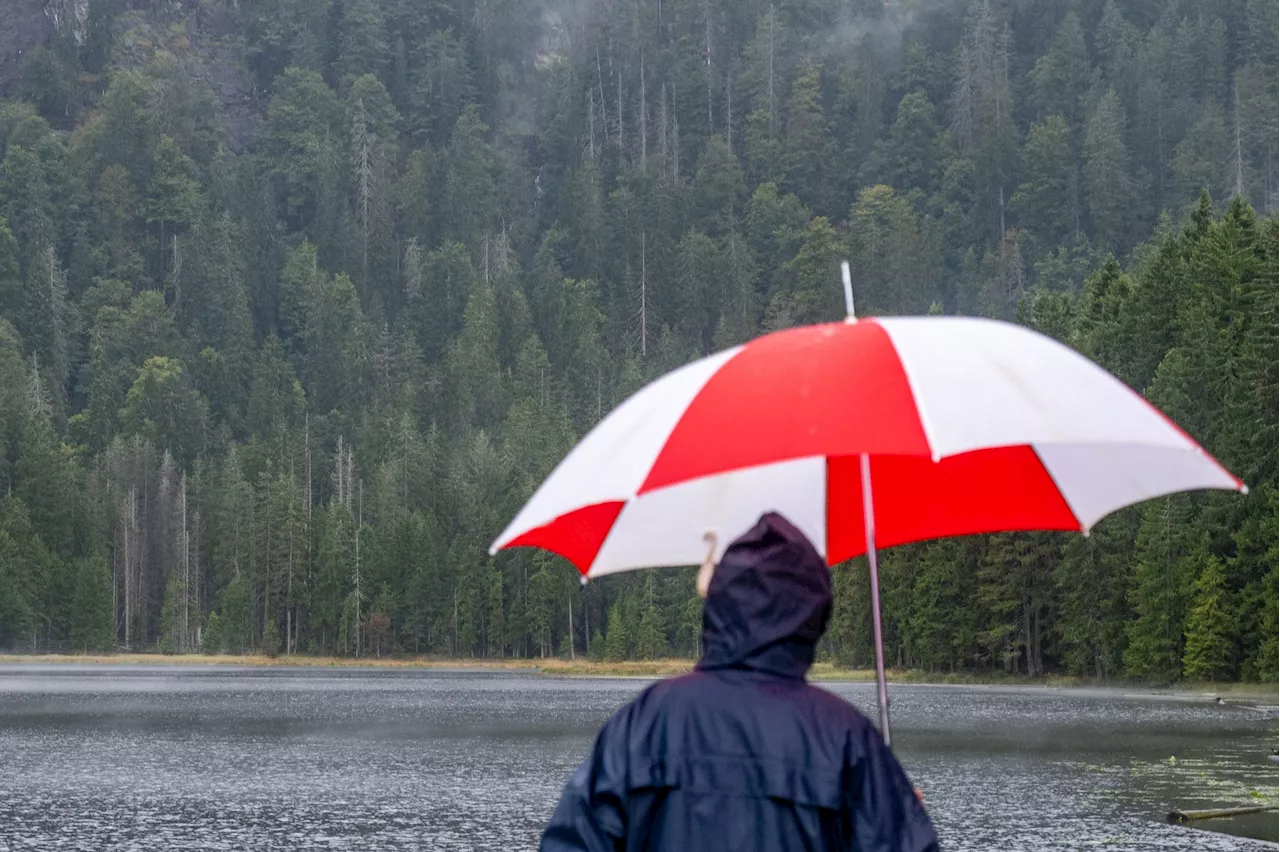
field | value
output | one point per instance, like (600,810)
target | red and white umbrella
(967,426)
(864,434)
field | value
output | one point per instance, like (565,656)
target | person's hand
(919,795)
(708,566)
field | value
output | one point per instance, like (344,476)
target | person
(743,754)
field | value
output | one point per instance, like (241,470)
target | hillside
(300,299)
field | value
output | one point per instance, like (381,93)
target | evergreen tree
(271,638)
(363,45)
(617,644)
(1108,187)
(1265,663)
(1167,564)
(1047,200)
(805,144)
(1060,77)
(171,614)
(92,621)
(1209,651)
(650,639)
(212,641)
(444,255)
(805,293)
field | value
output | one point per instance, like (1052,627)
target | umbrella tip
(1244,489)
(849,315)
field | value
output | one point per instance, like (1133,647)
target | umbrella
(865,434)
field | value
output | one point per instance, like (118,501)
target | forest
(301,299)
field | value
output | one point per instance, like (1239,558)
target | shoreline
(652,669)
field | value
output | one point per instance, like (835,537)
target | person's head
(767,602)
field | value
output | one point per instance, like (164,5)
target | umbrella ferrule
(849,315)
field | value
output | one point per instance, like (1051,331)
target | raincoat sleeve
(885,814)
(591,815)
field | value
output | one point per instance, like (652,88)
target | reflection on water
(227,758)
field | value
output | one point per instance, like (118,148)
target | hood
(768,603)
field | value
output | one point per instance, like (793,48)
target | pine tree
(1107,184)
(982,107)
(617,644)
(1060,77)
(1209,648)
(805,293)
(171,615)
(271,638)
(363,45)
(211,638)
(804,150)
(1265,663)
(650,639)
(92,621)
(46,320)
(893,263)
(469,190)
(174,200)
(236,608)
(1091,582)
(1047,201)
(1167,561)
(941,623)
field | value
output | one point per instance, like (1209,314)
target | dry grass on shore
(581,667)
(292,660)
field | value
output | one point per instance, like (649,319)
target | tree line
(281,398)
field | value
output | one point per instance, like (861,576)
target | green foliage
(314,375)
(171,614)
(174,196)
(1209,644)
(270,638)
(92,621)
(236,606)
(650,638)
(1265,663)
(618,642)
(161,407)
(212,641)
(1107,182)
(1168,561)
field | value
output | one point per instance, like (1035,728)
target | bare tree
(644,120)
(1235,95)
(664,129)
(644,286)
(412,269)
(363,144)
(773,100)
(706,11)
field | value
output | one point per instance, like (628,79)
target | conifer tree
(1209,651)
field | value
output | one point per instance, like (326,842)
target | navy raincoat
(742,754)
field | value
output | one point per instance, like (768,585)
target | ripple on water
(217,759)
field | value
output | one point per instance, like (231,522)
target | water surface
(219,757)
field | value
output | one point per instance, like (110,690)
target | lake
(219,757)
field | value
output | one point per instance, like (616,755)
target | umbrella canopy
(955,425)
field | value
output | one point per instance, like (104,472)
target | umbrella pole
(869,525)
